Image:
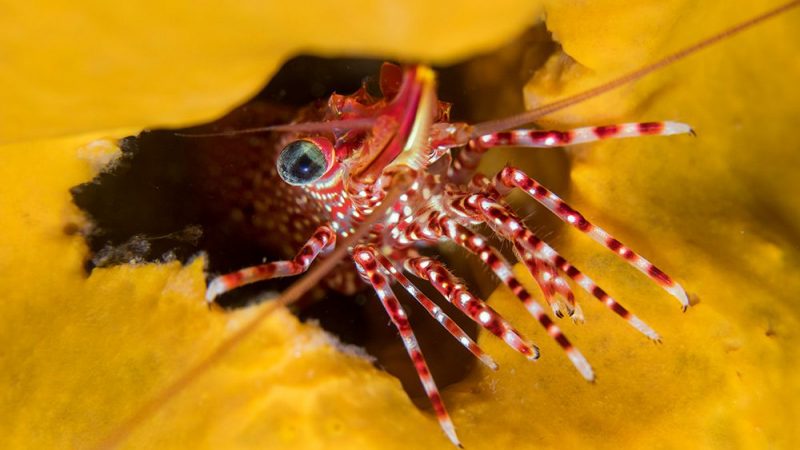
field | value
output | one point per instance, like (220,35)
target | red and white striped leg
(393,273)
(545,275)
(476,309)
(368,268)
(511,177)
(434,224)
(553,138)
(531,243)
(323,240)
(530,249)
(467,159)
(551,283)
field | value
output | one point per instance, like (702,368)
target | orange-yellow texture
(717,212)
(71,68)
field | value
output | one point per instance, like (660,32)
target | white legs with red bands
(323,240)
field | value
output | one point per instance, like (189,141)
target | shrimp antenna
(332,125)
(540,111)
(400,184)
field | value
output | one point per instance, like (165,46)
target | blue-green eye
(302,162)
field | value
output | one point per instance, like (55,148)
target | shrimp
(380,180)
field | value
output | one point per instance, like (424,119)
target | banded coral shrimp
(292,291)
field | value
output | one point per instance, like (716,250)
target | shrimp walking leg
(323,240)
(393,273)
(455,292)
(368,268)
(537,254)
(435,224)
(511,177)
(466,161)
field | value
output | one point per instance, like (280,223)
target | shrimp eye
(301,162)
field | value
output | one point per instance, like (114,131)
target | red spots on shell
(613,244)
(628,254)
(524,296)
(538,136)
(494,213)
(495,328)
(620,310)
(503,138)
(563,341)
(402,324)
(606,131)
(473,308)
(659,276)
(599,293)
(651,127)
(532,240)
(447,286)
(419,363)
(540,191)
(233,279)
(265,269)
(573,272)
(526,183)
(438,406)
(550,138)
(573,217)
(513,284)
(366,261)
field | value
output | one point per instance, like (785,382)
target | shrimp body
(328,181)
